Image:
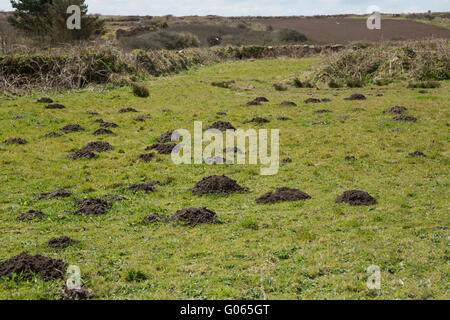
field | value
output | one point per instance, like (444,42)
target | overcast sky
(254,7)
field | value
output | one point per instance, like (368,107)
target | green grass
(313,249)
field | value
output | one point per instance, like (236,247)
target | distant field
(310,249)
(344,30)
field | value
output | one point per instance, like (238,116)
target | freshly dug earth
(195,216)
(61,243)
(313,100)
(254,103)
(350,158)
(284,119)
(45,100)
(356,198)
(167,137)
(15,141)
(417,154)
(142,118)
(261,99)
(257,120)
(72,128)
(76,294)
(282,195)
(322,111)
(83,153)
(31,215)
(58,194)
(405,118)
(162,148)
(356,96)
(147,157)
(53,135)
(55,106)
(92,206)
(222,126)
(26,265)
(288,104)
(98,146)
(101,132)
(218,185)
(147,187)
(396,110)
(153,218)
(108,124)
(125,110)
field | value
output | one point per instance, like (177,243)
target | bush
(354,83)
(214,40)
(302,84)
(289,35)
(161,40)
(140,91)
(424,84)
(334,84)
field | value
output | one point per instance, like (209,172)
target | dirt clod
(396,110)
(25,265)
(76,294)
(61,242)
(218,185)
(58,194)
(222,126)
(108,124)
(257,120)
(31,215)
(92,206)
(147,157)
(101,132)
(98,146)
(125,110)
(195,216)
(313,100)
(142,118)
(253,103)
(53,135)
(356,198)
(282,195)
(55,106)
(162,148)
(288,104)
(15,141)
(356,96)
(417,154)
(350,158)
(45,100)
(284,118)
(405,118)
(154,218)
(322,111)
(83,153)
(72,128)
(167,137)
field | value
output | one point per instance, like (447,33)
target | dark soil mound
(146,187)
(83,153)
(253,103)
(26,265)
(101,132)
(284,118)
(154,218)
(61,243)
(58,194)
(45,100)
(396,110)
(142,118)
(322,111)
(31,215)
(162,148)
(405,118)
(147,157)
(92,206)
(288,104)
(55,106)
(417,154)
(72,128)
(15,141)
(287,160)
(125,110)
(98,146)
(194,216)
(99,121)
(283,194)
(261,99)
(356,198)
(167,137)
(217,184)
(76,294)
(313,100)
(356,96)
(108,124)
(326,100)
(222,126)
(92,113)
(257,120)
(350,158)
(53,135)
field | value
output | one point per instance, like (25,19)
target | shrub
(334,84)
(214,40)
(302,84)
(140,91)
(289,35)
(161,40)
(354,83)
(424,84)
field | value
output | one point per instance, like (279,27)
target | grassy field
(313,249)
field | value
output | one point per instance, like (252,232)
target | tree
(46,20)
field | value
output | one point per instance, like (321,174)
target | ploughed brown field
(344,30)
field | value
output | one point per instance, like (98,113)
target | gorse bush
(140,91)
(161,40)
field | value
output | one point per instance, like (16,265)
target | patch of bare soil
(167,137)
(162,148)
(405,118)
(55,106)
(125,110)
(154,218)
(257,120)
(288,104)
(53,135)
(61,242)
(284,119)
(147,157)
(222,126)
(356,96)
(58,194)
(108,124)
(417,154)
(31,215)
(45,100)
(101,132)
(26,266)
(92,113)
(142,118)
(92,206)
(218,185)
(76,294)
(15,141)
(322,111)
(282,195)
(356,198)
(195,216)
(396,110)
(72,128)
